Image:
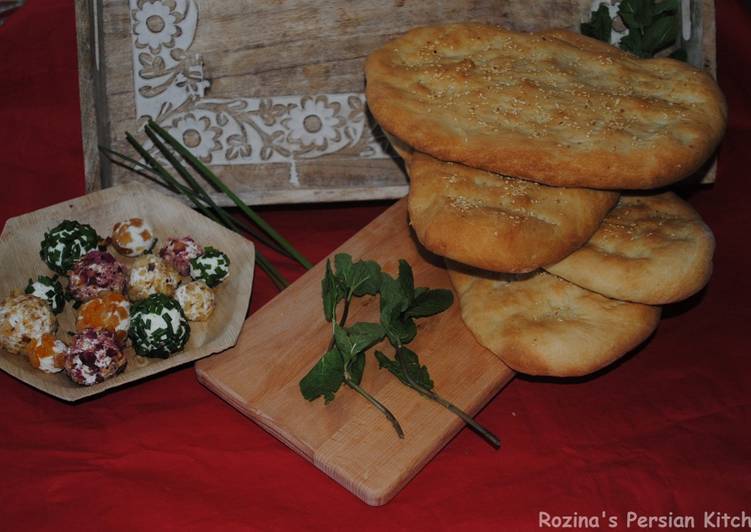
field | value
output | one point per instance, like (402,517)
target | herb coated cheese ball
(95,273)
(48,289)
(23,319)
(65,243)
(158,326)
(197,300)
(94,356)
(133,237)
(212,267)
(151,275)
(48,354)
(178,252)
(109,311)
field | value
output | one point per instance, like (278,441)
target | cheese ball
(196,300)
(178,252)
(109,311)
(23,319)
(47,354)
(65,243)
(212,267)
(95,273)
(48,289)
(158,326)
(133,237)
(151,275)
(94,356)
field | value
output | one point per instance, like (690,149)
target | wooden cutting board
(348,439)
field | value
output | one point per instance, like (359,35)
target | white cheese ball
(197,300)
(133,237)
(23,319)
(151,275)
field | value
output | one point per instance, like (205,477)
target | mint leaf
(401,331)
(636,14)
(343,263)
(661,34)
(600,27)
(331,293)
(325,378)
(633,43)
(419,374)
(356,339)
(407,281)
(366,278)
(357,367)
(359,278)
(430,302)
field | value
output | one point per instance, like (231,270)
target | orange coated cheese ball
(110,311)
(133,237)
(47,354)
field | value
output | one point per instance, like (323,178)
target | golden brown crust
(540,324)
(553,107)
(652,249)
(495,222)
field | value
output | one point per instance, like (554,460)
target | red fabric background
(665,430)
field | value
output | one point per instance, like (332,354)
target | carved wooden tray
(268,93)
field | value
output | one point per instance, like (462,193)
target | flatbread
(651,249)
(495,222)
(553,107)
(540,324)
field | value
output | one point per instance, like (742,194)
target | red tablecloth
(663,433)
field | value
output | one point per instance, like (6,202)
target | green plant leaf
(430,302)
(636,14)
(359,278)
(330,292)
(357,367)
(600,26)
(661,34)
(356,339)
(633,43)
(407,282)
(418,373)
(343,264)
(325,378)
(366,278)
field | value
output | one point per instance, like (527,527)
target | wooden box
(269,93)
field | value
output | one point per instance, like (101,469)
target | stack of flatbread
(537,166)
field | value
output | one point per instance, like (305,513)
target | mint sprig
(652,26)
(400,304)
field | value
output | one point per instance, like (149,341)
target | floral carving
(198,135)
(173,89)
(156,24)
(313,123)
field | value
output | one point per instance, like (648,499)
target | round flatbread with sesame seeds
(651,249)
(539,324)
(495,222)
(553,107)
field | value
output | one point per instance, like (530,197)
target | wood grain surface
(19,261)
(348,439)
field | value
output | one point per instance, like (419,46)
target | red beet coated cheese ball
(179,252)
(94,356)
(96,272)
